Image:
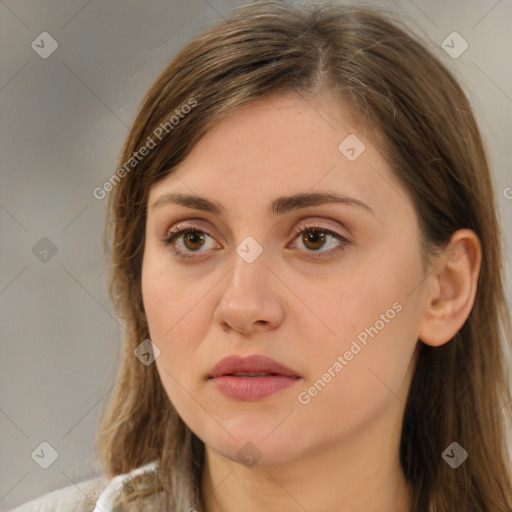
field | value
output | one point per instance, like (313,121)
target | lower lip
(249,389)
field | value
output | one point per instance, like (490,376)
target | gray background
(62,124)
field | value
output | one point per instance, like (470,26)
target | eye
(317,239)
(184,239)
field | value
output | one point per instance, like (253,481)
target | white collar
(106,500)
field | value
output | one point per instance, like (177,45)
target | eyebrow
(278,206)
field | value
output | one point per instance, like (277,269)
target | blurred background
(72,74)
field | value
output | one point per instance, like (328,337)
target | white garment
(79,496)
(107,498)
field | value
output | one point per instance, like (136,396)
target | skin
(300,306)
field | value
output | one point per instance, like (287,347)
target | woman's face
(331,290)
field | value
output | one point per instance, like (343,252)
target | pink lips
(251,378)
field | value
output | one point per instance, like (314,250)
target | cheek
(169,300)
(341,397)
(177,323)
(177,318)
(373,323)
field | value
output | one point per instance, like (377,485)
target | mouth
(251,374)
(251,378)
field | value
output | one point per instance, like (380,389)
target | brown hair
(424,126)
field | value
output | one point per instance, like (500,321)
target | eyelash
(180,230)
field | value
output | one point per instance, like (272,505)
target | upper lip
(250,364)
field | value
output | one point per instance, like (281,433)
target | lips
(255,364)
(251,378)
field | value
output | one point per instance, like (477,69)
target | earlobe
(451,288)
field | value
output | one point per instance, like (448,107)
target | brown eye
(314,239)
(185,241)
(193,240)
(319,242)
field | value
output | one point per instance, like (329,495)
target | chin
(251,445)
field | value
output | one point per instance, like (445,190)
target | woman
(306,256)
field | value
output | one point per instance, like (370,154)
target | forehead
(279,145)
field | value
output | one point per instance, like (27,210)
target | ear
(451,288)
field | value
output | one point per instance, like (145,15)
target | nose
(250,300)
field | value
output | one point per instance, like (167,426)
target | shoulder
(73,498)
(94,495)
